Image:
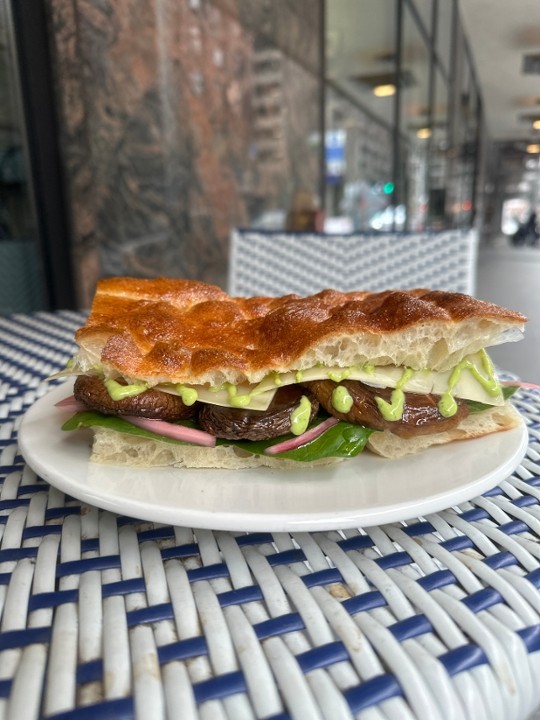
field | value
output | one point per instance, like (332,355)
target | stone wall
(181,119)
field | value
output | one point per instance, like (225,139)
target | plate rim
(242,521)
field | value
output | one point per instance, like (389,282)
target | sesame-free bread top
(175,330)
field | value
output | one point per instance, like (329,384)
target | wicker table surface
(105,616)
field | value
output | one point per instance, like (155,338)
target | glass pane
(469,153)
(282,158)
(424,8)
(21,283)
(358,169)
(463,141)
(438,150)
(415,122)
(360,53)
(360,107)
(445,10)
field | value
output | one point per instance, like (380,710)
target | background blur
(134,134)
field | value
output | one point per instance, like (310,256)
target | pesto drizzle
(393,410)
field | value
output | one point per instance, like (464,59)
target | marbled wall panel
(293,26)
(163,142)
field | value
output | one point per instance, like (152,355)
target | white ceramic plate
(364,491)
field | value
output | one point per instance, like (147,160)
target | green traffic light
(388,188)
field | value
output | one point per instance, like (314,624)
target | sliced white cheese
(422,381)
(257,401)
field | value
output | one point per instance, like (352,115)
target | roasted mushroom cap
(243,424)
(421,415)
(90,390)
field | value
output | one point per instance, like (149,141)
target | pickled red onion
(526,385)
(293,443)
(178,432)
(71,403)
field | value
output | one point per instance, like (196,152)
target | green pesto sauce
(339,376)
(188,395)
(118,391)
(490,382)
(393,410)
(236,400)
(341,399)
(300,416)
(447,404)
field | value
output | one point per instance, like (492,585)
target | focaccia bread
(187,331)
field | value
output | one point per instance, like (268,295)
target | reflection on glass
(358,169)
(445,11)
(469,154)
(424,9)
(438,149)
(359,114)
(360,53)
(283,152)
(462,154)
(415,122)
(431,160)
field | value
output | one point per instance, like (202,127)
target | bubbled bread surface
(189,331)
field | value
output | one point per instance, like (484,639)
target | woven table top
(106,616)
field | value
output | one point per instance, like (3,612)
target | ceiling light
(533,148)
(384,84)
(536,124)
(384,90)
(423,133)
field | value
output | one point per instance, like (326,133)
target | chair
(276,263)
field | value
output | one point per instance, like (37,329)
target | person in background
(303,215)
(527,233)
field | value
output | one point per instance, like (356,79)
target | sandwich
(176,372)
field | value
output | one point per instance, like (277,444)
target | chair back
(276,263)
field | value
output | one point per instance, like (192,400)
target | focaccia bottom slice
(114,448)
(496,419)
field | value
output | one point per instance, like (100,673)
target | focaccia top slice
(167,330)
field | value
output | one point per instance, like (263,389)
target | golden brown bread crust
(185,330)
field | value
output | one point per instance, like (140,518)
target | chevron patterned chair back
(277,263)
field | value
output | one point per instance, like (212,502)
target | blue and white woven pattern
(104,616)
(276,263)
